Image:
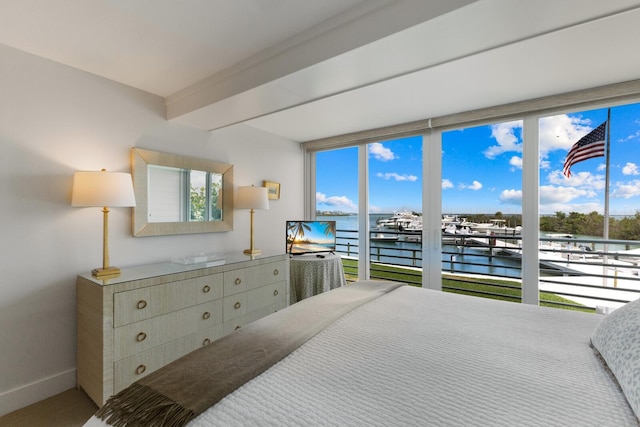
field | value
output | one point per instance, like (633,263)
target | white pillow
(617,339)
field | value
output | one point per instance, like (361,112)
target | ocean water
(454,258)
(409,253)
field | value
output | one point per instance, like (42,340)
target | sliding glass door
(482,210)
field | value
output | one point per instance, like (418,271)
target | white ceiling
(160,46)
(308,69)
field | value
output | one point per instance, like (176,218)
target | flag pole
(605,233)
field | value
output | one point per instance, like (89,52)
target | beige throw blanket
(180,391)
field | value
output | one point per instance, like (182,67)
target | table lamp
(103,189)
(252,198)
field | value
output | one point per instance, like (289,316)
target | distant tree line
(510,220)
(590,224)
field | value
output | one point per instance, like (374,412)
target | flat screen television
(304,237)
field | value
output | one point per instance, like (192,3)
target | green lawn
(502,289)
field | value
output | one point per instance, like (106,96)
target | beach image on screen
(311,236)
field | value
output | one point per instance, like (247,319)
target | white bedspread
(420,357)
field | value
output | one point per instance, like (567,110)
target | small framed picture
(273,189)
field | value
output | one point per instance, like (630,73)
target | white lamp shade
(102,188)
(252,198)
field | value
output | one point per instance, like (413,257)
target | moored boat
(496,227)
(383,238)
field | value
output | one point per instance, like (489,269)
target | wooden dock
(497,245)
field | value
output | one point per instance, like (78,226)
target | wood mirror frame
(141,159)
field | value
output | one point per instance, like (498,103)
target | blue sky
(482,169)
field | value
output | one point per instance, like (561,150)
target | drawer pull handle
(238,281)
(238,327)
(237,305)
(141,304)
(276,272)
(206,341)
(141,337)
(275,293)
(206,289)
(140,369)
(206,315)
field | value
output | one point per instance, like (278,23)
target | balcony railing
(586,274)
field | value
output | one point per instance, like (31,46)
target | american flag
(591,145)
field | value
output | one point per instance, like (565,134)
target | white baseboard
(28,394)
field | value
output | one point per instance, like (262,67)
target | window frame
(431,129)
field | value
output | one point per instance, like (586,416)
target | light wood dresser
(150,315)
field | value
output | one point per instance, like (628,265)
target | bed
(381,353)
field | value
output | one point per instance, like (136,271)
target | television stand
(311,275)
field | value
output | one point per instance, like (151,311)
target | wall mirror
(180,195)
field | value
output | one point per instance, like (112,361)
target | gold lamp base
(105,272)
(252,251)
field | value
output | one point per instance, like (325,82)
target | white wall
(55,120)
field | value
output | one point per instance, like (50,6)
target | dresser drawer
(265,296)
(234,324)
(139,304)
(209,287)
(242,320)
(146,334)
(131,369)
(266,274)
(273,272)
(234,306)
(236,281)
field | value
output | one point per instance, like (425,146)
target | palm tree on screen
(330,228)
(295,231)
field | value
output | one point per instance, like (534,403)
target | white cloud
(550,194)
(476,185)
(561,132)
(338,202)
(380,152)
(630,169)
(446,184)
(504,134)
(397,177)
(626,190)
(582,180)
(512,197)
(560,199)
(633,136)
(555,133)
(516,162)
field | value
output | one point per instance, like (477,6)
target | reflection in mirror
(204,190)
(179,195)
